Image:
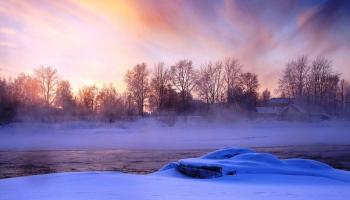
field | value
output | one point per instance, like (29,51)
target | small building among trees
(274,107)
(288,109)
(282,108)
(294,112)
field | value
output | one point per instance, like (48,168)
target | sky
(98,41)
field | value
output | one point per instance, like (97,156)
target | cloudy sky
(94,41)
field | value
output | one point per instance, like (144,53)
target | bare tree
(330,100)
(232,70)
(321,70)
(87,98)
(110,105)
(160,80)
(7,102)
(315,84)
(3,90)
(184,79)
(286,84)
(301,70)
(294,80)
(48,80)
(64,96)
(26,90)
(138,87)
(210,82)
(344,90)
(249,84)
(203,83)
(345,97)
(265,97)
(131,109)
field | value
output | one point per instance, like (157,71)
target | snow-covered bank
(170,184)
(104,185)
(151,134)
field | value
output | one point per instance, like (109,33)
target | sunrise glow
(97,41)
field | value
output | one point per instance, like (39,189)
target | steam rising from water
(193,133)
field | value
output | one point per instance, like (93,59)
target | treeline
(176,89)
(315,85)
(183,89)
(180,89)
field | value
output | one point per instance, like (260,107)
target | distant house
(280,102)
(294,113)
(266,111)
(273,108)
(287,109)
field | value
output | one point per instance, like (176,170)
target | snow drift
(232,161)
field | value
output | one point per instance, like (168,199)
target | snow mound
(239,161)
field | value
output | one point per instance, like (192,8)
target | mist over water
(190,133)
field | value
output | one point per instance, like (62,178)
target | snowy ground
(151,134)
(110,185)
(170,184)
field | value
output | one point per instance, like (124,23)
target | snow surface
(170,184)
(152,134)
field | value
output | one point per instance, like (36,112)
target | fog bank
(184,134)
